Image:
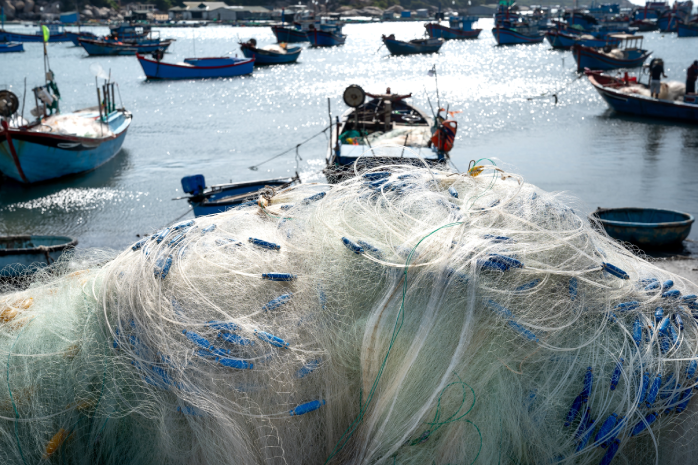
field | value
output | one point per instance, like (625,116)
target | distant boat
(398,47)
(688,29)
(517,34)
(565,41)
(196,68)
(647,228)
(74,36)
(289,34)
(326,38)
(110,47)
(459,27)
(24,255)
(222,197)
(377,132)
(629,56)
(271,54)
(57,34)
(644,25)
(633,98)
(11,47)
(129,31)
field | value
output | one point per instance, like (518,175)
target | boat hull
(506,36)
(101,47)
(16,259)
(398,47)
(668,23)
(265,57)
(289,35)
(11,47)
(688,30)
(637,105)
(566,41)
(587,57)
(160,70)
(30,157)
(233,195)
(438,31)
(326,39)
(14,37)
(648,228)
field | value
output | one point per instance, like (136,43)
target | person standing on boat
(691,76)
(656,73)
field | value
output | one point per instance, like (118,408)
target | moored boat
(24,255)
(222,197)
(271,54)
(385,130)
(11,47)
(319,38)
(289,34)
(687,29)
(399,47)
(565,41)
(101,47)
(629,55)
(517,33)
(74,36)
(647,228)
(56,34)
(196,68)
(631,97)
(459,27)
(645,25)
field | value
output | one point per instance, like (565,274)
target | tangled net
(404,316)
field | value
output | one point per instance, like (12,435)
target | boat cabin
(463,23)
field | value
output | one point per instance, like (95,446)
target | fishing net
(407,315)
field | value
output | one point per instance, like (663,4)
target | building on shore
(218,11)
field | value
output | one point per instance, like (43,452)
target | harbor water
(523,106)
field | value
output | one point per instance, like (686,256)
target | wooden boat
(385,130)
(687,29)
(633,98)
(565,41)
(518,33)
(630,55)
(271,54)
(125,31)
(24,255)
(459,27)
(11,47)
(196,68)
(110,47)
(398,47)
(647,228)
(222,197)
(319,38)
(57,34)
(289,34)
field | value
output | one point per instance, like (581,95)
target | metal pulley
(9,103)
(354,96)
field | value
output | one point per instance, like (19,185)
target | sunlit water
(219,128)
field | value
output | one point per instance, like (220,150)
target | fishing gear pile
(404,316)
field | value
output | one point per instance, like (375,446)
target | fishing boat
(647,228)
(644,25)
(627,95)
(385,130)
(517,33)
(59,144)
(74,36)
(270,54)
(320,38)
(459,27)
(24,255)
(196,68)
(687,29)
(11,47)
(628,55)
(222,197)
(565,41)
(289,34)
(125,31)
(101,47)
(56,34)
(398,47)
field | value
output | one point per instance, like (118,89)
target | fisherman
(656,73)
(691,76)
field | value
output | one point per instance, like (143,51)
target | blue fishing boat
(11,47)
(271,54)
(629,56)
(196,68)
(633,98)
(24,255)
(398,47)
(74,36)
(319,38)
(57,34)
(111,47)
(669,21)
(647,228)
(289,34)
(517,33)
(219,198)
(125,31)
(564,41)
(459,27)
(385,130)
(644,25)
(688,29)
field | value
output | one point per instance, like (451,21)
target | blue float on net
(615,271)
(271,339)
(278,302)
(264,244)
(279,276)
(307,407)
(353,246)
(235,363)
(615,376)
(235,339)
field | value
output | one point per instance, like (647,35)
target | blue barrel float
(647,228)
